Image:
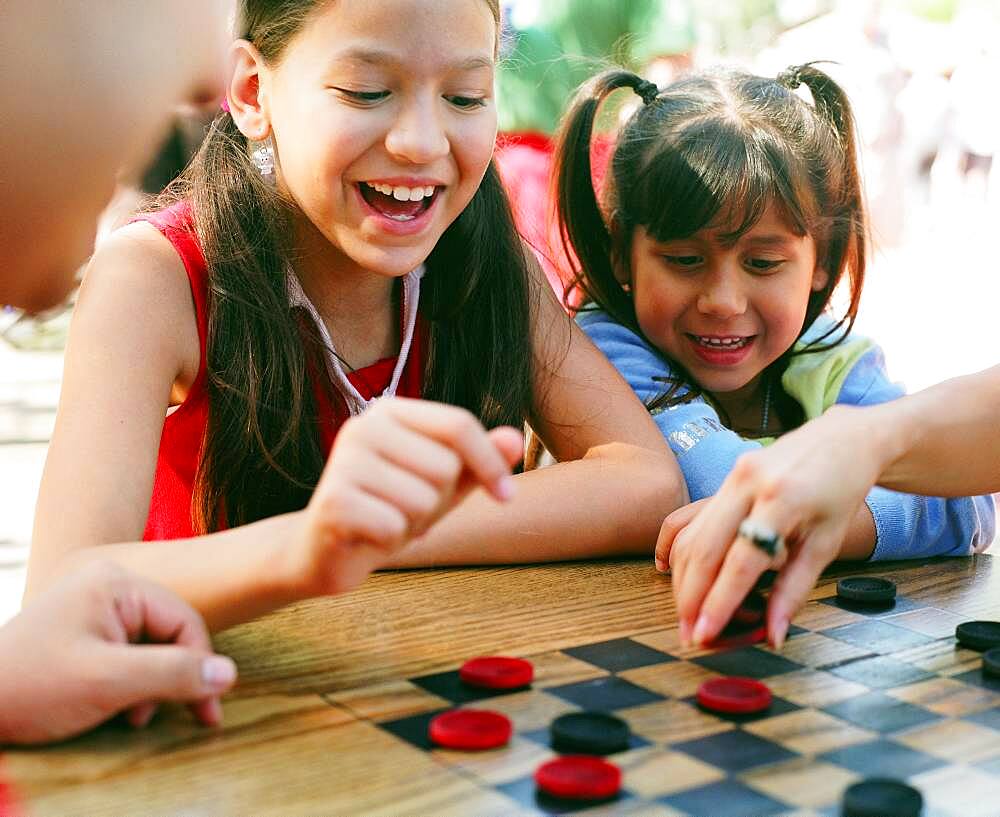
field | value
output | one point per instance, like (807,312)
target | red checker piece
(751,610)
(734,695)
(497,672)
(470,729)
(579,777)
(733,637)
(747,615)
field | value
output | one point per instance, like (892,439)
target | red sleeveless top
(170,511)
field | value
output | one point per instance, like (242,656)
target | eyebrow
(757,240)
(376,57)
(769,240)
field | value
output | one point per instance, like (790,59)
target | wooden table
(304,732)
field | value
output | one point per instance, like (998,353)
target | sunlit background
(923,76)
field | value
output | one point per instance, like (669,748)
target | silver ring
(762,537)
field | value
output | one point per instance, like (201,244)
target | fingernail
(505,489)
(780,631)
(684,630)
(660,565)
(701,629)
(218,672)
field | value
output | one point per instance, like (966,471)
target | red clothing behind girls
(184,429)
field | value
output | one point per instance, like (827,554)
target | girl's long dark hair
(261,454)
(715,148)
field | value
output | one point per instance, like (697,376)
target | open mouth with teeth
(726,343)
(398,203)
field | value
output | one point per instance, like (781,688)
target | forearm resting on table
(609,503)
(229,577)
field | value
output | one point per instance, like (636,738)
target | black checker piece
(866,589)
(589,733)
(978,635)
(991,662)
(882,797)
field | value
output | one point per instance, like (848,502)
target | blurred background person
(87,91)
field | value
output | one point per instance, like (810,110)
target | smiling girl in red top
(341,236)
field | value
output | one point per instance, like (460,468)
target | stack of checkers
(747,626)
(736,695)
(583,738)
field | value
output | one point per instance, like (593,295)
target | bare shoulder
(140,255)
(135,290)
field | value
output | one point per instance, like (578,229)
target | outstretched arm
(944,440)
(812,481)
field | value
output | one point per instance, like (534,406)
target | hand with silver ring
(710,582)
(774,511)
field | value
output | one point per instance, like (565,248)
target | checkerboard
(857,693)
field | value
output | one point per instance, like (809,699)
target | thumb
(664,544)
(165,672)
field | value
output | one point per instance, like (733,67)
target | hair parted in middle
(715,149)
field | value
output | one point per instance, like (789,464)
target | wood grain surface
(301,734)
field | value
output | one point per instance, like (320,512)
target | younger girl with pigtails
(280,380)
(732,209)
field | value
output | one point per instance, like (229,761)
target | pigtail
(847,234)
(586,241)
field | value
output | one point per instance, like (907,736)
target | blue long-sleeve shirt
(907,526)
